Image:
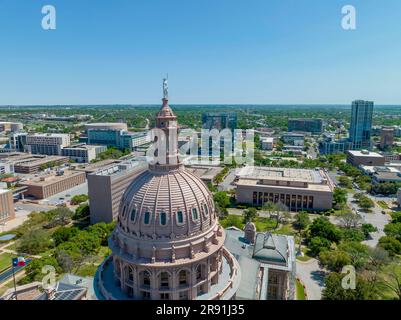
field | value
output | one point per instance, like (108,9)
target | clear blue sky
(215,51)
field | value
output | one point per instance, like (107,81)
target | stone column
(154,286)
(193,290)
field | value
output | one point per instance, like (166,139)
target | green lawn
(286,229)
(5,260)
(262,224)
(300,291)
(4,288)
(382,204)
(305,257)
(87,270)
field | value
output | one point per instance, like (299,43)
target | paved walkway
(312,277)
(376,218)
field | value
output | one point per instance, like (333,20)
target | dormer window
(180,217)
(133,214)
(123,212)
(206,209)
(163,218)
(194,214)
(146,219)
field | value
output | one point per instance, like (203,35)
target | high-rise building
(47,143)
(360,130)
(314,126)
(83,153)
(386,137)
(219,120)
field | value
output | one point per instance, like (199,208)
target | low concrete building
(11,126)
(266,143)
(106,187)
(206,173)
(106,126)
(268,265)
(386,137)
(295,139)
(298,189)
(95,167)
(83,153)
(50,184)
(365,157)
(7,210)
(381,174)
(35,163)
(6,167)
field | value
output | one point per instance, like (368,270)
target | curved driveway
(312,277)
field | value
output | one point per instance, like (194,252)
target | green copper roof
(270,248)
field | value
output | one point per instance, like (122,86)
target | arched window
(199,273)
(164,280)
(146,218)
(182,278)
(180,217)
(163,218)
(146,278)
(130,274)
(133,214)
(194,214)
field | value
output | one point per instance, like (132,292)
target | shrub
(318,245)
(391,245)
(79,199)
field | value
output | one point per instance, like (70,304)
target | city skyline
(228,52)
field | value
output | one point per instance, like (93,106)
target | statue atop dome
(165,88)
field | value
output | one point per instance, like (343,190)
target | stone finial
(153,254)
(191,251)
(172,253)
(250,232)
(206,247)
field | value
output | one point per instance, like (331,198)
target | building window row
(292,201)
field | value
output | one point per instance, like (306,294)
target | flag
(19,262)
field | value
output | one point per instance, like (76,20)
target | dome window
(194,214)
(206,209)
(123,211)
(180,217)
(133,214)
(146,218)
(163,218)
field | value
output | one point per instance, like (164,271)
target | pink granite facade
(168,244)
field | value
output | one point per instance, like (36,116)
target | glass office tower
(360,130)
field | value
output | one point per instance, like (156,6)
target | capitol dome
(167,244)
(173,205)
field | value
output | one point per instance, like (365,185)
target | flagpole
(15,286)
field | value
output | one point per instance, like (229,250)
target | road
(68,194)
(9,272)
(312,277)
(375,218)
(227,182)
